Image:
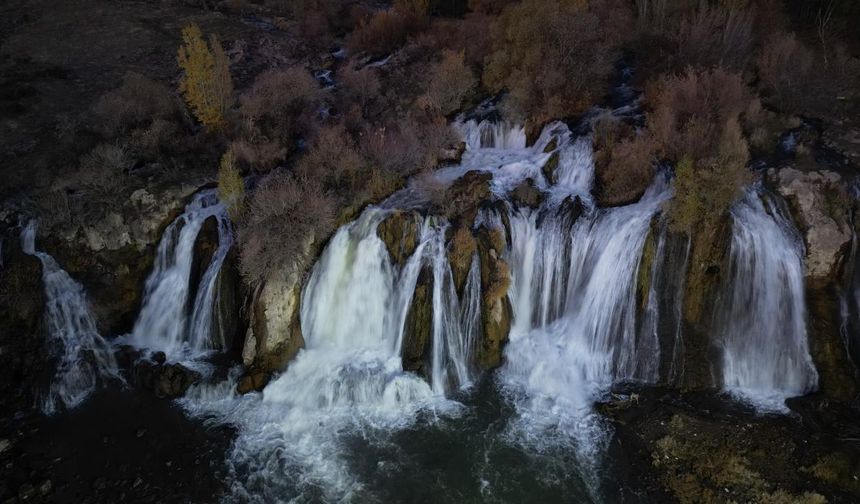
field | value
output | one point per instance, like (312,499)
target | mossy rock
(709,255)
(550,168)
(399,233)
(526,194)
(415,350)
(463,198)
(461,249)
(496,310)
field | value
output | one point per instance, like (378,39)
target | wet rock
(526,194)
(204,249)
(462,199)
(399,233)
(419,324)
(251,382)
(708,260)
(821,208)
(550,167)
(112,254)
(165,381)
(820,205)
(230,295)
(496,310)
(274,334)
(461,249)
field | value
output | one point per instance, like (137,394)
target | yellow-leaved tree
(231,187)
(206,85)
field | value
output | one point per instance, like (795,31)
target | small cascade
(85,358)
(493,135)
(177,317)
(762,313)
(348,376)
(455,324)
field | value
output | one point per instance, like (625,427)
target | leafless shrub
(137,102)
(554,57)
(281,102)
(284,216)
(334,161)
(450,82)
(260,156)
(384,32)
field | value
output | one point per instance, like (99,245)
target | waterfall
(174,319)
(492,135)
(574,330)
(574,272)
(454,326)
(762,313)
(349,375)
(85,358)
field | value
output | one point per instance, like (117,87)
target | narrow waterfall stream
(84,358)
(763,313)
(175,318)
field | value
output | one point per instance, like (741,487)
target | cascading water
(573,296)
(173,319)
(349,376)
(762,322)
(85,358)
(455,324)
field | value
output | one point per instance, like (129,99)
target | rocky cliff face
(274,334)
(113,255)
(819,203)
(821,208)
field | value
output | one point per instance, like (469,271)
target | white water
(170,320)
(85,358)
(348,379)
(763,326)
(575,331)
(455,324)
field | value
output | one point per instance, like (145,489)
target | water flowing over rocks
(113,255)
(819,201)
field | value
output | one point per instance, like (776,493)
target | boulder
(399,232)
(415,351)
(165,380)
(550,167)
(526,194)
(820,205)
(464,196)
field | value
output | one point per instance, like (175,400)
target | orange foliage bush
(206,84)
